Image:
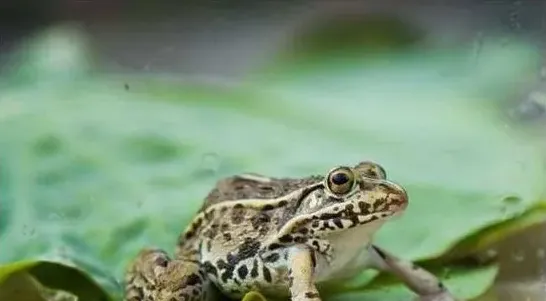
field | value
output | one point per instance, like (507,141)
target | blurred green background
(116,120)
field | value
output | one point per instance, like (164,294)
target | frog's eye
(341,180)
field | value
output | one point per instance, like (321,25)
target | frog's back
(233,222)
(253,186)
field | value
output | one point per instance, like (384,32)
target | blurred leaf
(21,286)
(43,280)
(348,35)
(465,283)
(96,171)
(488,236)
(59,53)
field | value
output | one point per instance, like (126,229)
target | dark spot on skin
(193,279)
(242,271)
(316,244)
(315,224)
(254,270)
(260,220)
(267,274)
(221,264)
(274,246)
(140,291)
(272,258)
(224,227)
(441,286)
(287,238)
(313,259)
(189,234)
(230,258)
(237,217)
(338,223)
(283,203)
(209,245)
(248,249)
(303,230)
(311,295)
(227,236)
(238,206)
(237,281)
(212,231)
(300,239)
(161,261)
(209,214)
(328,216)
(349,207)
(326,225)
(268,207)
(364,207)
(195,292)
(332,199)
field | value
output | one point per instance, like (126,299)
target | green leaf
(465,283)
(347,36)
(48,280)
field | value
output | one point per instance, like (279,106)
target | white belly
(350,253)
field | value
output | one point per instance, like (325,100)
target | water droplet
(31,231)
(210,163)
(54,217)
(518,256)
(28,231)
(491,253)
(511,200)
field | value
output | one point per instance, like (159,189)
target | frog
(282,237)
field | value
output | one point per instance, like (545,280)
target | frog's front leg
(427,286)
(153,276)
(301,272)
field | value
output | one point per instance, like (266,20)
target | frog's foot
(153,276)
(420,281)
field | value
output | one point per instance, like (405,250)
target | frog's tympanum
(281,236)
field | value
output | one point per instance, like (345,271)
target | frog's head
(348,197)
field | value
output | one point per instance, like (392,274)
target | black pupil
(340,178)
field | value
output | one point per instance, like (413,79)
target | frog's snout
(400,197)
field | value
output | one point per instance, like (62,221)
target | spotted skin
(281,236)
